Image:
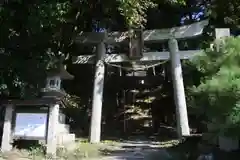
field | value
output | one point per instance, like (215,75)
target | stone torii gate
(149,36)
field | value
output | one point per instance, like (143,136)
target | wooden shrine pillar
(95,130)
(7,129)
(178,86)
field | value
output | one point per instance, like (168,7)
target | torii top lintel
(149,36)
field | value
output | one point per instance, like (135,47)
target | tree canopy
(33,34)
(217,96)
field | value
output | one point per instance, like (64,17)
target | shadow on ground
(189,149)
(134,150)
(149,147)
(160,146)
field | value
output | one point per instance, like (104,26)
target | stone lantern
(54,79)
(41,118)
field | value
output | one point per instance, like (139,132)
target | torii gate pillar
(179,93)
(95,129)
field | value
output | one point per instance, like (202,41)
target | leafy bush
(218,95)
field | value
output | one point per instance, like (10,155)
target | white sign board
(30,125)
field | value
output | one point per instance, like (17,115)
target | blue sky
(196,16)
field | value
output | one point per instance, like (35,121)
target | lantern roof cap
(60,70)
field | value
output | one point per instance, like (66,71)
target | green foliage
(225,12)
(134,11)
(27,31)
(219,92)
(34,34)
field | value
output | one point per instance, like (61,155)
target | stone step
(65,138)
(63,128)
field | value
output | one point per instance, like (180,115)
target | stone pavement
(138,150)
